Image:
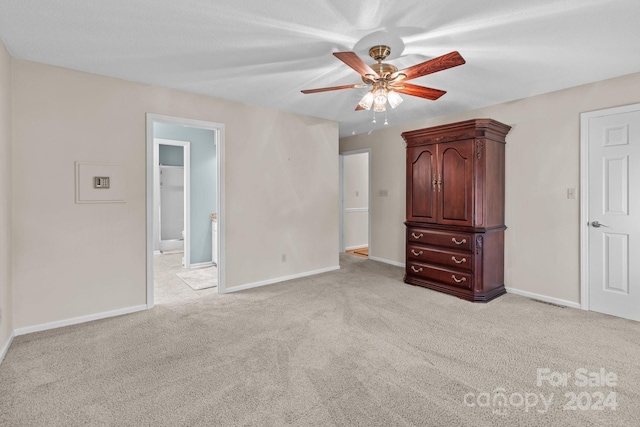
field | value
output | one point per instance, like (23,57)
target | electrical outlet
(283,258)
(357,194)
(383,193)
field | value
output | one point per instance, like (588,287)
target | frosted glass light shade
(379,100)
(394,99)
(366,101)
(379,108)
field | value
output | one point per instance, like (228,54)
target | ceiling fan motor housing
(379,53)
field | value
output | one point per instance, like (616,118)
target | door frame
(186,161)
(341,167)
(584,193)
(219,133)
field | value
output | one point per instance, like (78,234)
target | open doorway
(185,255)
(355,210)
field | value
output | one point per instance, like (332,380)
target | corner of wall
(6,283)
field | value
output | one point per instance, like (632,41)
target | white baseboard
(76,320)
(544,298)
(5,349)
(387,261)
(350,248)
(280,279)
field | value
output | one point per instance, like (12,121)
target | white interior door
(171,203)
(613,138)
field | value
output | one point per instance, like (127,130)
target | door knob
(596,224)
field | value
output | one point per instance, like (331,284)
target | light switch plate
(571,193)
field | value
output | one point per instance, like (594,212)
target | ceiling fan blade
(450,60)
(353,61)
(420,91)
(326,89)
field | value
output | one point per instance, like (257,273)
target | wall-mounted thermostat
(101,182)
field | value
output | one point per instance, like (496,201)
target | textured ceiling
(264,52)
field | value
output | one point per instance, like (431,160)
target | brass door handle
(458,261)
(457,242)
(416,253)
(416,270)
(464,279)
(417,236)
(439,182)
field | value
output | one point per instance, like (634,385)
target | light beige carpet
(354,347)
(200,278)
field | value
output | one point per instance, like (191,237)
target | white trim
(350,210)
(281,279)
(544,298)
(5,349)
(350,248)
(388,261)
(343,210)
(219,131)
(340,204)
(584,211)
(77,320)
(584,193)
(186,161)
(202,265)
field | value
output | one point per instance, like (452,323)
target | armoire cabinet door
(455,196)
(421,173)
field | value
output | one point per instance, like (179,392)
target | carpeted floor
(354,347)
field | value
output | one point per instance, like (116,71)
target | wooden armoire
(455,208)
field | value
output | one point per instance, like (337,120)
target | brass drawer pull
(464,279)
(417,236)
(416,270)
(460,261)
(416,253)
(453,239)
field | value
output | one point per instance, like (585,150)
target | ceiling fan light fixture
(394,99)
(379,108)
(379,100)
(366,101)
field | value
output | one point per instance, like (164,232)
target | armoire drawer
(448,277)
(440,257)
(446,239)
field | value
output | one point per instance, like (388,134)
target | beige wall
(356,180)
(542,161)
(73,260)
(6,312)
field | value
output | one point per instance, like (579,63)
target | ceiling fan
(386,81)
